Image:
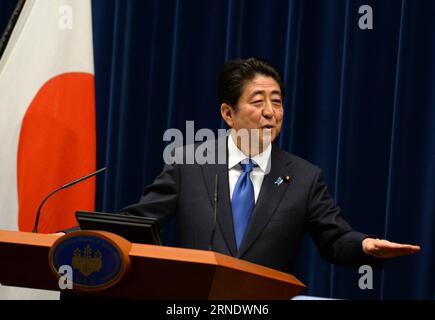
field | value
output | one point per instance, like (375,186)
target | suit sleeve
(334,237)
(159,199)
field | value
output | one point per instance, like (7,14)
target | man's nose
(268,110)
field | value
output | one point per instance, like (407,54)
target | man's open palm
(380,248)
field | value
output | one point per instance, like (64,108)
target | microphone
(35,228)
(215,199)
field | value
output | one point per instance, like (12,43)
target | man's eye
(257,102)
(277,101)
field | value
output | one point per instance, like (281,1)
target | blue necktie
(243,201)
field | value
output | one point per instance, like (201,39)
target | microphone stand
(35,228)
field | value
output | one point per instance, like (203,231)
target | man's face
(259,107)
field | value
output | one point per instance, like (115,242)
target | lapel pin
(282,179)
(278,181)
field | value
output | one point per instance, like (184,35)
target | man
(267,198)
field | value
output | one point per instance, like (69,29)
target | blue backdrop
(359,103)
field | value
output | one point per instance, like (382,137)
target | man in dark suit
(267,198)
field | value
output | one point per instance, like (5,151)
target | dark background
(359,103)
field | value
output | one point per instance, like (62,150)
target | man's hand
(380,248)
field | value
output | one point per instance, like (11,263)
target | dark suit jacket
(282,215)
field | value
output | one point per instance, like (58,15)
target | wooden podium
(157,272)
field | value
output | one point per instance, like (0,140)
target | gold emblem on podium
(89,262)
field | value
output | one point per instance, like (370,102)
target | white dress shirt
(235,156)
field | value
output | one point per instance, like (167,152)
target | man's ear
(227,114)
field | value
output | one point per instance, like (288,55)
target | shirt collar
(235,155)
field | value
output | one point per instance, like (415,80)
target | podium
(157,272)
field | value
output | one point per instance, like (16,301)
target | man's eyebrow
(276,92)
(262,92)
(256,92)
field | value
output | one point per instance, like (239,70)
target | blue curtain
(359,103)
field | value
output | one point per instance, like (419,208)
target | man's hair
(236,73)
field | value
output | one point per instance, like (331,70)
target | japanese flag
(47,117)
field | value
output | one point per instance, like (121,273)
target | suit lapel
(224,212)
(268,200)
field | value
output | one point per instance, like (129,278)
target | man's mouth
(268,127)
